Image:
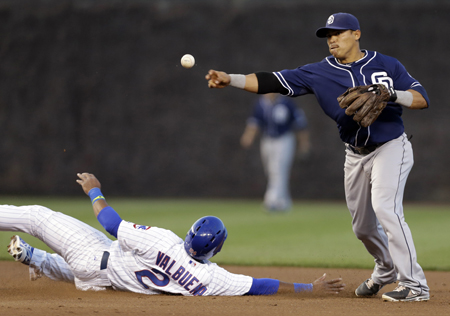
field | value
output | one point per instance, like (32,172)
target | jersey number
(153,276)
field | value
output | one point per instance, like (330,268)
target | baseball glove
(365,103)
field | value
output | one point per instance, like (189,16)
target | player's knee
(363,233)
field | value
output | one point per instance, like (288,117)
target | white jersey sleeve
(152,260)
(224,283)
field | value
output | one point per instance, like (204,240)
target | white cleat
(20,250)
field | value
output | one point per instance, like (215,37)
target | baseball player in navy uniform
(282,126)
(379,157)
(143,259)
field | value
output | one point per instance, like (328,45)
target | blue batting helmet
(205,238)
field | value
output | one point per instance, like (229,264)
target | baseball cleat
(368,288)
(20,250)
(405,294)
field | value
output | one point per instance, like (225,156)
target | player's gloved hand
(217,79)
(333,286)
(88,181)
(365,103)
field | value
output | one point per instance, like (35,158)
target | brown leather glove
(365,103)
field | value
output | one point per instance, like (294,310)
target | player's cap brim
(323,31)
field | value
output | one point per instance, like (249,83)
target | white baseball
(187,61)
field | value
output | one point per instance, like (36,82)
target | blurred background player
(283,129)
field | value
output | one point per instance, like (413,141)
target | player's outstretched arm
(321,285)
(272,286)
(219,79)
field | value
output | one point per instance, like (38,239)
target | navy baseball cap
(339,21)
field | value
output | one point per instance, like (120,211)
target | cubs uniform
(147,260)
(156,262)
(378,158)
(279,119)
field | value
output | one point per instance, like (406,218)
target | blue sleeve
(404,81)
(264,287)
(110,220)
(296,81)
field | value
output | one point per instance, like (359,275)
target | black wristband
(393,94)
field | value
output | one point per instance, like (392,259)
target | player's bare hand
(217,79)
(333,286)
(88,181)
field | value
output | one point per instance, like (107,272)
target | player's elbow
(419,102)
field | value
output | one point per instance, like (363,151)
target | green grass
(312,235)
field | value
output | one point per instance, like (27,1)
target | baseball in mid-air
(187,61)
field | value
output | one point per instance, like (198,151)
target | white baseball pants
(78,246)
(277,155)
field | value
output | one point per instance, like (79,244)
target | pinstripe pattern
(77,243)
(139,249)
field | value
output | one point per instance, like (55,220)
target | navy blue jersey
(277,117)
(328,79)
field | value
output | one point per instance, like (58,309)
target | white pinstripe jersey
(152,260)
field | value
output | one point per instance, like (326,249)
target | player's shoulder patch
(142,227)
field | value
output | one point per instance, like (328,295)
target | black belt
(104,262)
(365,150)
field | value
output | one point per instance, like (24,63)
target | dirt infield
(19,296)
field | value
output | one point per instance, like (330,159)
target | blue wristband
(302,287)
(95,194)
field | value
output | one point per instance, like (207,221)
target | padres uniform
(375,179)
(147,260)
(279,119)
(378,157)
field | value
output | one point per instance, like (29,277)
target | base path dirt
(19,296)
